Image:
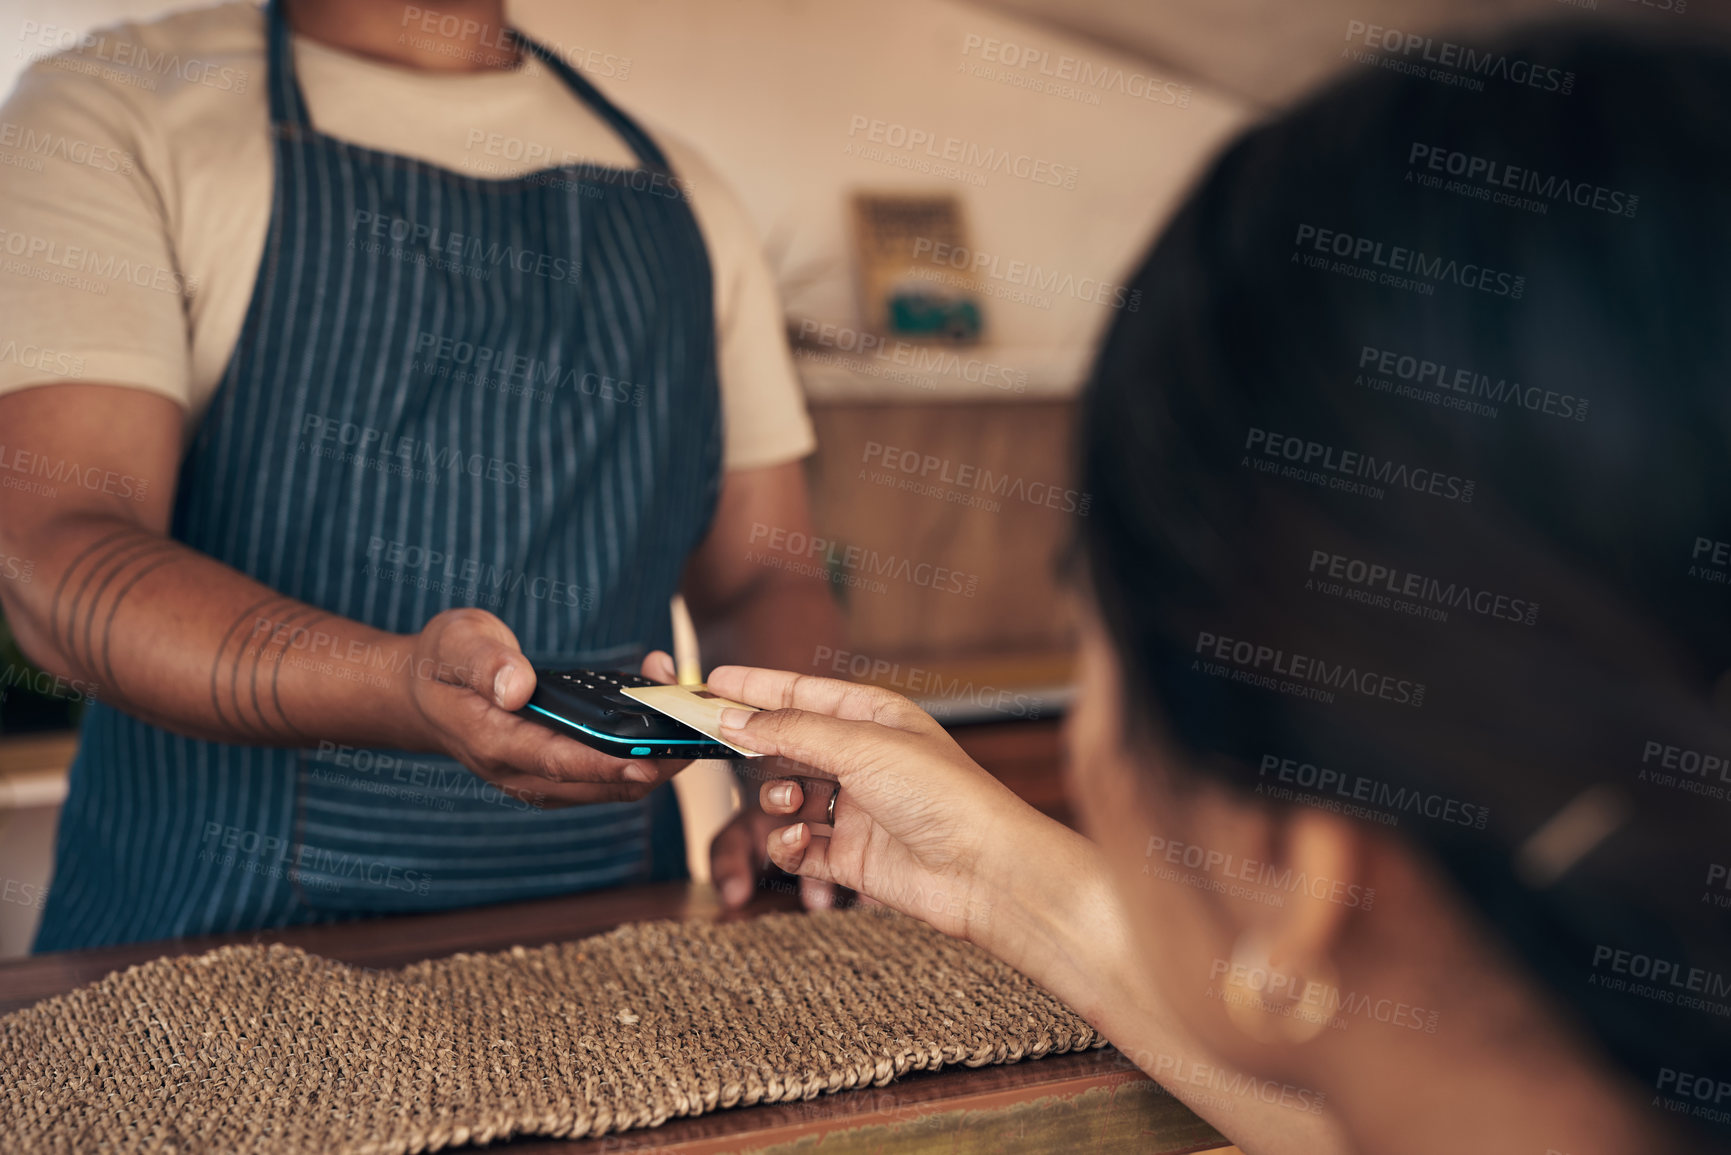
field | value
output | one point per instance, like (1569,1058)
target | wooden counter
(1096,1101)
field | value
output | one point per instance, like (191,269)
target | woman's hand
(919,826)
(736,858)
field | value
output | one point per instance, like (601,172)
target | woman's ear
(1302,869)
(1297,878)
(1325,851)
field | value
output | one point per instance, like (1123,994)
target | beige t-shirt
(135,191)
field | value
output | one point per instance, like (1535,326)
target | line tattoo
(125,556)
(251,614)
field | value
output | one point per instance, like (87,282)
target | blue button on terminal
(635,750)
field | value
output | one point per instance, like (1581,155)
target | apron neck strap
(648,152)
(288,105)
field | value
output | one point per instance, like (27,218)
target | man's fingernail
(793,833)
(502,682)
(734,719)
(735,891)
(640,772)
(781,795)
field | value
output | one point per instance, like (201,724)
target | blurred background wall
(800,104)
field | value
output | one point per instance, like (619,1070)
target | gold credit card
(696,706)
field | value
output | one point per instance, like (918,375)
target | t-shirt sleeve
(763,406)
(89,287)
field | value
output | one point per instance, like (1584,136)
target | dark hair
(1428,408)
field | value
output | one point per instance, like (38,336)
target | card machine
(587,705)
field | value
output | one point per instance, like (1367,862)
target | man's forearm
(780,624)
(179,639)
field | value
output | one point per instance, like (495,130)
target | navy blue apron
(449,391)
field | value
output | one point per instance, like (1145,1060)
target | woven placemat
(272,1049)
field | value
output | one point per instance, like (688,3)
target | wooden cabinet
(976,498)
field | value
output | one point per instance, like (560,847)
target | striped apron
(449,391)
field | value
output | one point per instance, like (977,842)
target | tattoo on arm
(136,566)
(231,657)
(63,642)
(282,635)
(115,562)
(96,584)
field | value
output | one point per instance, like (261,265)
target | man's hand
(737,860)
(467,682)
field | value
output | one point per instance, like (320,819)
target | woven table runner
(253,1048)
